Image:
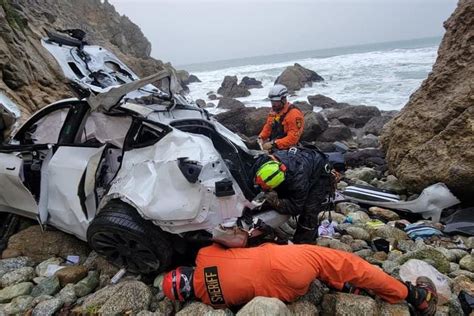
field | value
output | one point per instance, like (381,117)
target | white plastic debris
(414,268)
(118,276)
(71,259)
(52,269)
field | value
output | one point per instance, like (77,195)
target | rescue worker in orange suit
(231,277)
(297,181)
(284,124)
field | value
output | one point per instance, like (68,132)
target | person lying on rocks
(285,122)
(298,181)
(226,277)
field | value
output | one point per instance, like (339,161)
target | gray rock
(386,309)
(13,291)
(38,280)
(368,141)
(359,217)
(99,263)
(230,89)
(87,285)
(132,296)
(375,125)
(201,103)
(467,263)
(348,304)
(314,125)
(387,232)
(195,308)
(364,253)
(354,116)
(165,307)
(43,266)
(455,307)
(347,207)
(296,77)
(41,298)
(67,294)
(453,267)
(390,266)
(364,173)
(148,313)
(48,286)
(335,133)
(358,233)
(315,293)
(461,272)
(430,255)
(17,276)
(303,308)
(336,217)
(11,264)
(347,239)
(251,83)
(19,305)
(324,102)
(219,312)
(260,306)
(48,307)
(358,244)
(229,103)
(385,214)
(405,245)
(393,184)
(449,255)
(470,243)
(458,254)
(117,299)
(394,255)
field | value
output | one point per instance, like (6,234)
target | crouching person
(229,277)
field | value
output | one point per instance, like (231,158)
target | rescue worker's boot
(423,296)
(304,235)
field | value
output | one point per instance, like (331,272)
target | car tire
(128,241)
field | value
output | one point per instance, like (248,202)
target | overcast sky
(194,31)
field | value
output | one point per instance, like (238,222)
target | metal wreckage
(137,172)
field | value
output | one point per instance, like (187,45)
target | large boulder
(314,125)
(230,104)
(246,121)
(335,133)
(325,102)
(355,115)
(431,139)
(230,89)
(375,125)
(39,245)
(348,304)
(296,77)
(251,83)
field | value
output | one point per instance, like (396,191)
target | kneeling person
(229,277)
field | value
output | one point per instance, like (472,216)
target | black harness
(278,130)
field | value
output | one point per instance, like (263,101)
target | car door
(24,158)
(78,167)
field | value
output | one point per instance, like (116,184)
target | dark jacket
(305,167)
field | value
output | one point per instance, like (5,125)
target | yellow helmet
(270,175)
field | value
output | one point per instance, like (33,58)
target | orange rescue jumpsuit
(293,125)
(227,277)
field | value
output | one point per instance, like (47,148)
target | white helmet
(278,92)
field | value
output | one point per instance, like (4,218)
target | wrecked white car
(137,181)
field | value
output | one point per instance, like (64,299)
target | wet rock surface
(296,77)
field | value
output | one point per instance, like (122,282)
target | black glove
(272,199)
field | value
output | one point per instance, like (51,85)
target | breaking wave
(384,79)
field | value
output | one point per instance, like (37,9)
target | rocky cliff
(30,76)
(432,138)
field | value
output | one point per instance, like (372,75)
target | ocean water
(382,75)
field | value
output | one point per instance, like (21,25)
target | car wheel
(127,240)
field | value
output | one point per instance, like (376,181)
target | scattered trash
(467,302)
(326,229)
(52,269)
(118,276)
(462,221)
(430,203)
(71,259)
(414,268)
(375,223)
(381,245)
(421,230)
